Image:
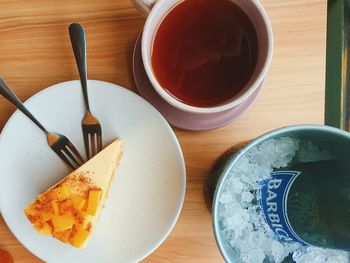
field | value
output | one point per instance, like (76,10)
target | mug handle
(144,6)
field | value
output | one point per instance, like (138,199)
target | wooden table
(35,53)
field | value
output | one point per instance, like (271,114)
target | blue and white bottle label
(274,193)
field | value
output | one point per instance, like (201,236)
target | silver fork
(92,131)
(59,143)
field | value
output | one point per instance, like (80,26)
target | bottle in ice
(310,203)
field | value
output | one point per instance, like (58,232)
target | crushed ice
(241,218)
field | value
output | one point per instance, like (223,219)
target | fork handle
(8,94)
(78,41)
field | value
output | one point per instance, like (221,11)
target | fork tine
(64,158)
(93,144)
(99,142)
(87,144)
(75,152)
(70,155)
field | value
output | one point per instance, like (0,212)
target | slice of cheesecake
(69,210)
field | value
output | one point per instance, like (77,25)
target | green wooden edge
(334,70)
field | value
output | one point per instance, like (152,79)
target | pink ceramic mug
(156,10)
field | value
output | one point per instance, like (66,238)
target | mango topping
(63,192)
(65,215)
(94,200)
(55,208)
(62,223)
(44,228)
(80,236)
(78,201)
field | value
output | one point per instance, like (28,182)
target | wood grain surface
(35,53)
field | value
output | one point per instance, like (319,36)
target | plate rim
(171,132)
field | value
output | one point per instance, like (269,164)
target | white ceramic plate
(146,196)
